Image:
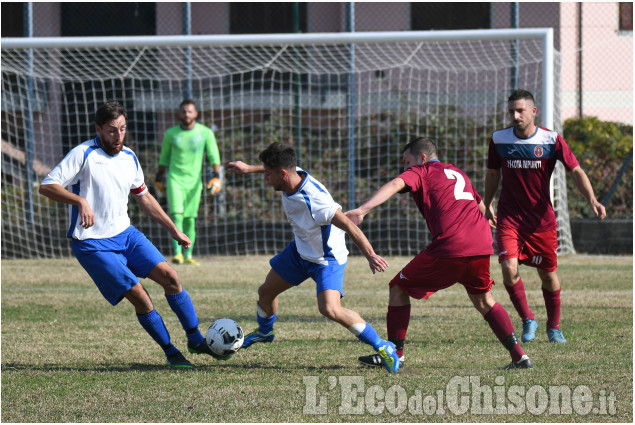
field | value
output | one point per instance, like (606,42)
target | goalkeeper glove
(214,184)
(158,179)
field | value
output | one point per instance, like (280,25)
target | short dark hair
(109,111)
(521,94)
(279,155)
(187,102)
(421,145)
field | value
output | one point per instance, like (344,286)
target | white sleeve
(65,173)
(323,210)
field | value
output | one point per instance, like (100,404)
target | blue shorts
(295,270)
(114,263)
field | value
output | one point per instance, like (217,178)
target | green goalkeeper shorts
(184,200)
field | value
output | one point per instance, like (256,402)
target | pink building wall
(210,18)
(207,18)
(168,26)
(382,16)
(569,59)
(607,63)
(47,20)
(326,17)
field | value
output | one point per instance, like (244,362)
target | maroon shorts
(424,275)
(532,249)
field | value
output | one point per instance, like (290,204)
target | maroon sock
(397,320)
(501,324)
(519,299)
(552,302)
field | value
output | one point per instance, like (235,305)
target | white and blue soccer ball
(224,337)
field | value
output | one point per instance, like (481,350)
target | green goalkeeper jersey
(183,150)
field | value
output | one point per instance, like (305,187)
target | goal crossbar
(544,34)
(264,39)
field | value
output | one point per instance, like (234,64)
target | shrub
(601,148)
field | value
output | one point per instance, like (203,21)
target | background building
(594,40)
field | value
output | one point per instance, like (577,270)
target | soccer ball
(224,337)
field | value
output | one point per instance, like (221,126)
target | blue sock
(153,324)
(370,337)
(265,324)
(170,350)
(182,306)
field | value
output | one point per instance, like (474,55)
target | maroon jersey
(527,165)
(446,199)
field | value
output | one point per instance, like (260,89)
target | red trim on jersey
(140,190)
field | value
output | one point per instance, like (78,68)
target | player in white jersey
(318,251)
(310,209)
(101,173)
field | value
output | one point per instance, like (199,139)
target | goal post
(347,101)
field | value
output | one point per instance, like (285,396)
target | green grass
(67,356)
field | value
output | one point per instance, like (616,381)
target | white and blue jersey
(105,181)
(310,210)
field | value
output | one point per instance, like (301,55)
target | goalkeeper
(182,152)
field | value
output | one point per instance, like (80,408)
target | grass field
(67,356)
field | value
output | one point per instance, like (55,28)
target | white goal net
(349,103)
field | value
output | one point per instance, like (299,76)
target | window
(449,16)
(12,19)
(626,17)
(99,19)
(265,18)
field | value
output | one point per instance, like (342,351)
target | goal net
(347,102)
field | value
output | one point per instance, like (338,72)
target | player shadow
(294,318)
(49,367)
(144,367)
(415,368)
(432,312)
(238,365)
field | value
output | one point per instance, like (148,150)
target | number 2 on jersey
(459,193)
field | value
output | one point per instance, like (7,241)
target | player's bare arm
(583,184)
(149,204)
(376,263)
(382,195)
(57,193)
(239,167)
(492,181)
